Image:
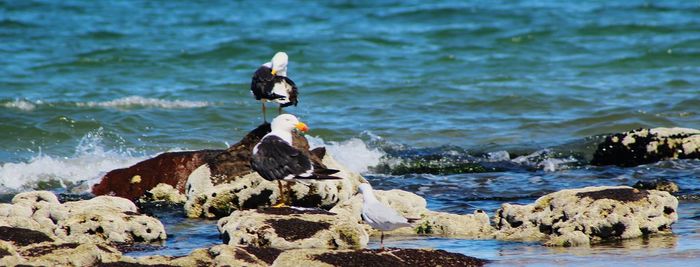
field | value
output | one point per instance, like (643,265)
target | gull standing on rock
(379,215)
(274,157)
(270,83)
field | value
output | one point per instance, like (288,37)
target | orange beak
(273,72)
(302,127)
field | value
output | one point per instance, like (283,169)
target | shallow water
(467,104)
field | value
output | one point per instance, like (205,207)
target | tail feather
(325,171)
(316,176)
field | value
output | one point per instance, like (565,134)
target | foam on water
(353,153)
(20,104)
(89,162)
(139,101)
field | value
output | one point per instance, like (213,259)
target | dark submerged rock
(619,194)
(643,146)
(398,257)
(268,255)
(295,229)
(22,236)
(46,249)
(658,184)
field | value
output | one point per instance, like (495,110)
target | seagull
(274,157)
(379,215)
(270,83)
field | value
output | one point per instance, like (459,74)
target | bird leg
(263,110)
(281,203)
(381,242)
(279,110)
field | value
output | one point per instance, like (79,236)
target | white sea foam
(353,153)
(544,160)
(89,162)
(20,104)
(139,101)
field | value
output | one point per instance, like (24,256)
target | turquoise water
(525,87)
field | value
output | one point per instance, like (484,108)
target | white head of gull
(279,64)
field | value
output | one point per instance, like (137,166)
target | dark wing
(293,93)
(262,83)
(316,155)
(276,159)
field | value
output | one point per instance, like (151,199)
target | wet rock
(171,168)
(389,257)
(427,222)
(22,237)
(228,183)
(291,228)
(62,254)
(101,219)
(643,146)
(164,193)
(588,215)
(658,184)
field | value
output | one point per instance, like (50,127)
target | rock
(643,146)
(658,184)
(61,254)
(588,215)
(428,222)
(23,237)
(171,168)
(165,193)
(291,228)
(228,183)
(36,217)
(220,255)
(389,257)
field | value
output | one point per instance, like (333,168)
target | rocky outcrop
(219,187)
(171,168)
(643,146)
(291,228)
(389,257)
(59,254)
(427,222)
(588,215)
(36,217)
(228,255)
(658,184)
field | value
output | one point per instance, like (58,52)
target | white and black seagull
(270,83)
(274,157)
(379,215)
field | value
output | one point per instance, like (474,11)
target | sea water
(525,88)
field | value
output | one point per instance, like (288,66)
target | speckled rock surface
(101,219)
(644,146)
(62,254)
(292,228)
(410,205)
(251,191)
(389,257)
(220,255)
(588,215)
(165,193)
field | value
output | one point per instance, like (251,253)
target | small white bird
(378,215)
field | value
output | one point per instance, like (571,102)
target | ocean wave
(90,161)
(139,101)
(21,104)
(354,153)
